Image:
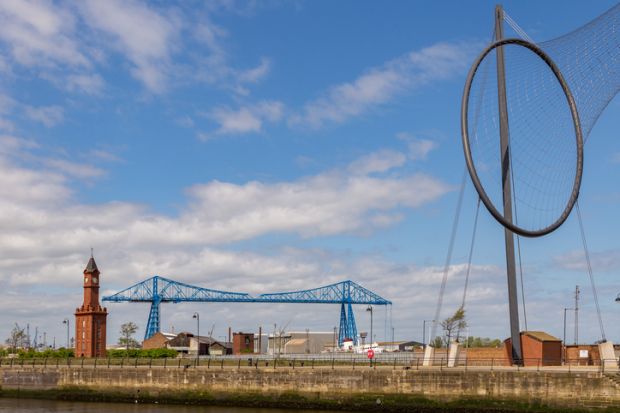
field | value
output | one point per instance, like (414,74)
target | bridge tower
(90,318)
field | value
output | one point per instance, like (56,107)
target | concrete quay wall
(328,388)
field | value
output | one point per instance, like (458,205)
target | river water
(44,406)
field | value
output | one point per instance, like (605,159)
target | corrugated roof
(541,336)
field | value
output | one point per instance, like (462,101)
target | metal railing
(317,361)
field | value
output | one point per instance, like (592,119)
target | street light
(424,332)
(197,317)
(564,339)
(66,321)
(371,339)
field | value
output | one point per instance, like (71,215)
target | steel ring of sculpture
(467,150)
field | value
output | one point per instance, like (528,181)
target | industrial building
(189,344)
(300,342)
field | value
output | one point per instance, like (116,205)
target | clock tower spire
(90,318)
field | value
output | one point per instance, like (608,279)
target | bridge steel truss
(157,290)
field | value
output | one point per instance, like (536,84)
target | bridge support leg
(153,325)
(342,333)
(352,328)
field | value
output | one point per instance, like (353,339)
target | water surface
(56,406)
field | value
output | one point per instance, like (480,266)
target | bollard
(417,363)
(108,362)
(353,364)
(45,363)
(492,362)
(333,363)
(179,362)
(239,364)
(222,365)
(394,368)
(209,363)
(165,361)
(150,362)
(95,363)
(135,365)
(293,364)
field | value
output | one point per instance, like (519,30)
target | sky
(265,146)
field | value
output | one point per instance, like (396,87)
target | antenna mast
(577,314)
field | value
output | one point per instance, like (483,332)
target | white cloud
(40,33)
(247,119)
(255,74)
(601,261)
(104,155)
(418,148)
(379,161)
(74,169)
(91,84)
(48,115)
(217,213)
(382,84)
(142,34)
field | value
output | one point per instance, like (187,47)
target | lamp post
(197,317)
(66,321)
(424,332)
(564,339)
(371,338)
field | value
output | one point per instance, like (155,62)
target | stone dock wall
(340,388)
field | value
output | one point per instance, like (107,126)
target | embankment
(372,389)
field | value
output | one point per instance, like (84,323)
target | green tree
(17,338)
(483,342)
(452,326)
(126,339)
(437,342)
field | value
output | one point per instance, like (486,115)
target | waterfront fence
(314,361)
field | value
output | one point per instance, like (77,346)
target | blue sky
(269,146)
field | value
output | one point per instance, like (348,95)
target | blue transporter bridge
(157,290)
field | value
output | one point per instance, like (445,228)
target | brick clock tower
(90,318)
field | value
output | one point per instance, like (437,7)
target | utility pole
(511,272)
(371,338)
(577,314)
(197,317)
(564,340)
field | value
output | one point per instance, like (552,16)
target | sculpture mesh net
(541,132)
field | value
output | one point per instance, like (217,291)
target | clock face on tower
(85,280)
(95,280)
